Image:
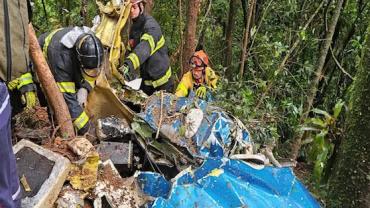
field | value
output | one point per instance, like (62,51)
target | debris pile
(175,151)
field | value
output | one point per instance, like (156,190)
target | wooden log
(51,90)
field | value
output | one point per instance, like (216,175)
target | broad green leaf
(322,112)
(338,108)
(308,128)
(318,122)
(322,133)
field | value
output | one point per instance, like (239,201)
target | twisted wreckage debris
(200,149)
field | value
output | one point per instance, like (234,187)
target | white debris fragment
(193,121)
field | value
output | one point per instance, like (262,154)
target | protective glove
(27,88)
(12,85)
(201,92)
(82,96)
(126,72)
(29,99)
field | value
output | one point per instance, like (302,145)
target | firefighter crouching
(74,55)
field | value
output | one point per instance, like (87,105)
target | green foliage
(321,147)
(60,14)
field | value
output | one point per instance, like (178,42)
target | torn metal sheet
(217,135)
(112,127)
(119,153)
(161,186)
(157,149)
(240,185)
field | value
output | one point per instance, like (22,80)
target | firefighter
(199,79)
(14,75)
(75,56)
(148,53)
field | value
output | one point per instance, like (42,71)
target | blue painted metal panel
(231,183)
(213,137)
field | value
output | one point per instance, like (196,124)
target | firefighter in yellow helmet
(200,78)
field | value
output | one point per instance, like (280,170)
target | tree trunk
(287,56)
(83,12)
(318,76)
(339,49)
(244,7)
(201,34)
(229,34)
(251,6)
(68,13)
(190,32)
(349,183)
(149,6)
(54,96)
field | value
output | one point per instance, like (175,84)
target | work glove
(82,96)
(201,92)
(29,99)
(12,85)
(127,73)
(27,88)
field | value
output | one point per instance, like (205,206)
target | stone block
(45,172)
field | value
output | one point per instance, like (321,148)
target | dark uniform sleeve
(79,116)
(150,41)
(41,40)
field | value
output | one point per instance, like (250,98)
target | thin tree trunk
(330,65)
(190,32)
(318,76)
(229,34)
(51,89)
(244,7)
(181,40)
(68,13)
(287,56)
(45,13)
(243,58)
(349,185)
(83,12)
(201,35)
(149,6)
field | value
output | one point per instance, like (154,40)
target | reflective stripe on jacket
(149,52)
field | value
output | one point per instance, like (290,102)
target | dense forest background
(288,70)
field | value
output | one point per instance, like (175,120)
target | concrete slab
(45,172)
